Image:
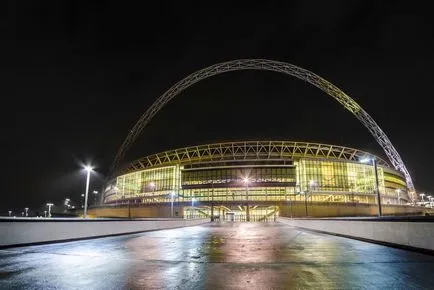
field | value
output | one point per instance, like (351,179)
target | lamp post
(95,193)
(27,211)
(398,192)
(49,208)
(212,201)
(246,182)
(311,184)
(67,205)
(430,199)
(377,190)
(88,169)
(172,195)
(290,205)
(152,186)
(421,196)
(192,206)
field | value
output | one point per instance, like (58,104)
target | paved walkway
(237,255)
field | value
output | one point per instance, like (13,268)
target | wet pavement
(216,256)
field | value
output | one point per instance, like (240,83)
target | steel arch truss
(276,66)
(248,150)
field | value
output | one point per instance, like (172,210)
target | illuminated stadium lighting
(365,160)
(210,173)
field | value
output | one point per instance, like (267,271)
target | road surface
(215,256)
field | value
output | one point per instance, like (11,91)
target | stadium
(258,180)
(253,180)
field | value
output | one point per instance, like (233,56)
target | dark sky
(76,76)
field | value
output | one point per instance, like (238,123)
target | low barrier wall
(18,232)
(418,235)
(336,209)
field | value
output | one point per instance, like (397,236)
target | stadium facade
(250,180)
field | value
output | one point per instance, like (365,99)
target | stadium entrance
(234,213)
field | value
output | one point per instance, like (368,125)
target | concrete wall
(316,209)
(135,211)
(410,234)
(28,231)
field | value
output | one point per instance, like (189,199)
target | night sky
(76,76)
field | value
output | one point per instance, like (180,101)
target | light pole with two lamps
(421,196)
(49,208)
(377,191)
(430,199)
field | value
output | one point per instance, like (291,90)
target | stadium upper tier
(249,150)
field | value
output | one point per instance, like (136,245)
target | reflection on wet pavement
(226,255)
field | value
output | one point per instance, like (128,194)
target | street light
(172,195)
(95,193)
(246,181)
(88,169)
(311,184)
(290,205)
(27,211)
(192,207)
(398,192)
(374,164)
(49,208)
(430,198)
(422,195)
(152,185)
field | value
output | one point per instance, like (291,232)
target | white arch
(270,65)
